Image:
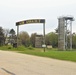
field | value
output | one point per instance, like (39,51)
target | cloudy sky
(12,11)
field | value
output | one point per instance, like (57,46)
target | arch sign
(29,22)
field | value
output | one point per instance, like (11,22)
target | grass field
(51,53)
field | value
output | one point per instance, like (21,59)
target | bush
(30,47)
(9,47)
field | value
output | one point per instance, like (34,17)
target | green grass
(62,55)
(10,48)
(51,53)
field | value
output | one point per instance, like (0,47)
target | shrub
(30,47)
(9,47)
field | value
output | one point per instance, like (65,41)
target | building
(38,41)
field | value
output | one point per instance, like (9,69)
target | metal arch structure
(29,22)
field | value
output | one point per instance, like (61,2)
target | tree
(12,36)
(52,39)
(32,39)
(2,38)
(12,32)
(6,32)
(6,35)
(56,30)
(74,40)
(47,40)
(25,39)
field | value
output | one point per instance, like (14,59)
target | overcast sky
(12,11)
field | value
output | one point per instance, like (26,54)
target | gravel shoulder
(12,63)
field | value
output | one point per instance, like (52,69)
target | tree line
(9,37)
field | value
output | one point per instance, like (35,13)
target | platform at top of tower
(67,18)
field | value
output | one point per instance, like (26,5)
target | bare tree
(24,37)
(6,32)
(32,39)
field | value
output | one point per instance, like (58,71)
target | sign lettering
(30,21)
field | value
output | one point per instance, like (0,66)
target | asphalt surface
(12,63)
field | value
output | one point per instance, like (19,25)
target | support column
(44,36)
(70,35)
(17,35)
(66,34)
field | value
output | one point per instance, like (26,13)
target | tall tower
(64,29)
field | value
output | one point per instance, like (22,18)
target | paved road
(12,63)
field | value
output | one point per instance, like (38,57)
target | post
(44,36)
(17,34)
